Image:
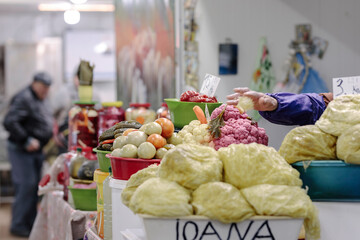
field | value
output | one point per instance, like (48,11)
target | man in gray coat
(29,123)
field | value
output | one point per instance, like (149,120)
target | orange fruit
(157,140)
(167,127)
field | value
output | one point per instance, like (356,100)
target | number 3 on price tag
(346,85)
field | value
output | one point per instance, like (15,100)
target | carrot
(108,141)
(200,114)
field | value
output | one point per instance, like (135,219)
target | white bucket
(198,227)
(122,217)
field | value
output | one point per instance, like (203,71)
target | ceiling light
(72,16)
(61,6)
(48,7)
(78,1)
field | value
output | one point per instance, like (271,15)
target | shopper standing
(29,123)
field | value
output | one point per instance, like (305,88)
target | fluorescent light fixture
(60,6)
(72,16)
(63,6)
(78,1)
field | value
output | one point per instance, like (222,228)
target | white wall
(245,21)
(26,28)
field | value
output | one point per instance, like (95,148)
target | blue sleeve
(295,109)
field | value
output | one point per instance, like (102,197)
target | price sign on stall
(210,85)
(346,85)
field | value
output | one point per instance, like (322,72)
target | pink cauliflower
(238,128)
(231,112)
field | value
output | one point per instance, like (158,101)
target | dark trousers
(25,174)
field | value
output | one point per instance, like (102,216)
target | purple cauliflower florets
(238,128)
(231,112)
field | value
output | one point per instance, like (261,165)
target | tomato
(192,96)
(186,95)
(167,127)
(157,140)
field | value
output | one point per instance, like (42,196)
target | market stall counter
(56,219)
(338,220)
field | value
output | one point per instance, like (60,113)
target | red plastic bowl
(123,168)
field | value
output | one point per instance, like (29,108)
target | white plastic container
(198,227)
(107,209)
(122,217)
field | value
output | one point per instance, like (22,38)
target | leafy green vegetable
(216,123)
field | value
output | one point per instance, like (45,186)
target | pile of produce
(151,140)
(107,138)
(229,185)
(334,136)
(227,126)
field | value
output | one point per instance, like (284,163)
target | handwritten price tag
(210,85)
(346,85)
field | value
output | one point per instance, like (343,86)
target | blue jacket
(296,109)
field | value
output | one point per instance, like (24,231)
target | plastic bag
(55,178)
(221,201)
(280,200)
(342,113)
(308,143)
(348,145)
(160,197)
(136,180)
(191,165)
(251,164)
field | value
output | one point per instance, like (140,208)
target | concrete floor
(5,213)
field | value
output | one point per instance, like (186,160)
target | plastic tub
(84,199)
(331,180)
(104,162)
(123,168)
(181,113)
(122,217)
(198,227)
(99,178)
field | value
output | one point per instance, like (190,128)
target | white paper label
(210,85)
(346,85)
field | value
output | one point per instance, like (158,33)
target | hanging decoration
(263,79)
(300,76)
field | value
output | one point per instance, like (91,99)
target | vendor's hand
(262,102)
(33,145)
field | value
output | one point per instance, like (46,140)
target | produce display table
(339,220)
(56,219)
